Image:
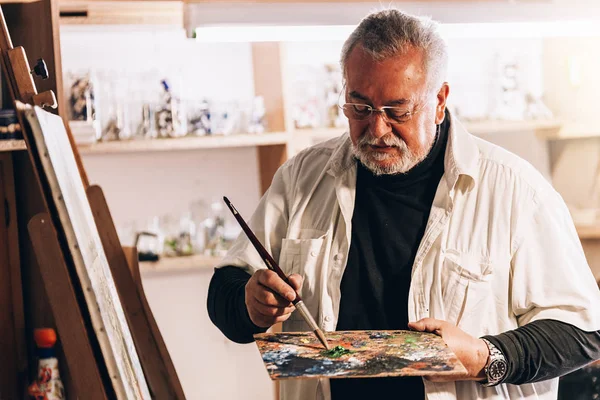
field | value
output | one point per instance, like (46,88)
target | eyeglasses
(361,112)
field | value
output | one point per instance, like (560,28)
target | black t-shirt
(390,216)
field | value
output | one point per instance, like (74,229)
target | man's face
(400,81)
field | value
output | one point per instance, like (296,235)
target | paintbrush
(272,265)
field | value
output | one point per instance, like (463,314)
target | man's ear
(442,97)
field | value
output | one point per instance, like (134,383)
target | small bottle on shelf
(48,385)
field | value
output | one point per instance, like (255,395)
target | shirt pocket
(304,257)
(466,289)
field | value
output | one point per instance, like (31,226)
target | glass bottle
(48,385)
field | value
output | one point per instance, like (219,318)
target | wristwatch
(496,367)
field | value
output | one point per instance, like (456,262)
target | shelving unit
(12,145)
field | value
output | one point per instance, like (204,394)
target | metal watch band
(496,367)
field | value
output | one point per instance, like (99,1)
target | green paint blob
(410,339)
(336,352)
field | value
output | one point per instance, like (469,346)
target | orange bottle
(48,385)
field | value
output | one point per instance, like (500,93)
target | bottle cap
(44,337)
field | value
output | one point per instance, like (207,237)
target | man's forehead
(398,79)
(411,59)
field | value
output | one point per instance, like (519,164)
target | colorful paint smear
(361,354)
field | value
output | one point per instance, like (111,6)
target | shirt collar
(342,159)
(462,155)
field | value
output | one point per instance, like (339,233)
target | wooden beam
(17,1)
(78,12)
(270,158)
(9,378)
(268,82)
(10,204)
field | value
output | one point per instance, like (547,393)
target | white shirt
(499,250)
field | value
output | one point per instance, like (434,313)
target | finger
(427,325)
(296,282)
(265,321)
(266,296)
(271,280)
(257,318)
(262,293)
(255,290)
(269,311)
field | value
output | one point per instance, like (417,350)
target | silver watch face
(497,370)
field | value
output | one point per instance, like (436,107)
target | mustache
(386,140)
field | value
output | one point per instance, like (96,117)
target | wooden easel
(86,376)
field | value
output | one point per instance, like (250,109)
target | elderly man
(411,222)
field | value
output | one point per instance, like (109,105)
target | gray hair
(391,32)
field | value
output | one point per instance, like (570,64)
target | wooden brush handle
(264,254)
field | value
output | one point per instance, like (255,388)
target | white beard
(372,159)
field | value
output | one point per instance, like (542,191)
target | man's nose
(379,126)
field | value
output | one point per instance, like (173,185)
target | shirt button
(313,253)
(327,318)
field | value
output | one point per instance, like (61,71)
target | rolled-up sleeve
(551,278)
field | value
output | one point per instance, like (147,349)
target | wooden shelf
(301,137)
(180,264)
(320,132)
(12,145)
(17,1)
(588,231)
(185,143)
(572,130)
(545,128)
(153,12)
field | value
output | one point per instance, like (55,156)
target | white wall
(209,366)
(139,186)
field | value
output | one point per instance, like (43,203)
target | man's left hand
(472,352)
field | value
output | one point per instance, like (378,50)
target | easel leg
(159,370)
(10,382)
(7,176)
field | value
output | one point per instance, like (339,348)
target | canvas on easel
(82,237)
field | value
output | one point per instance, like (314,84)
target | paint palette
(365,354)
